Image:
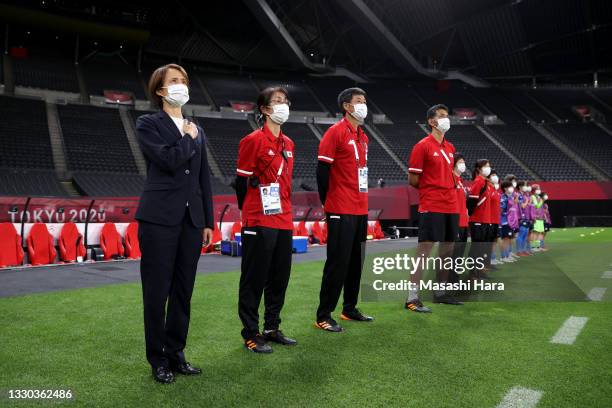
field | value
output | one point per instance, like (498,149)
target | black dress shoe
(257,344)
(185,369)
(277,336)
(163,375)
(356,315)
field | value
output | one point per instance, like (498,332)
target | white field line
(519,397)
(596,294)
(606,275)
(570,329)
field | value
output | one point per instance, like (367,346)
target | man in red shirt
(342,178)
(431,171)
(263,188)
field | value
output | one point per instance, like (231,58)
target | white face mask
(510,190)
(545,197)
(178,94)
(485,171)
(529,189)
(360,112)
(514,184)
(524,189)
(494,179)
(280,113)
(443,125)
(538,191)
(461,167)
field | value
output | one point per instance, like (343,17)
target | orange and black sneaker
(257,344)
(416,305)
(329,325)
(356,315)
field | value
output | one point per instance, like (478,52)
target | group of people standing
(175,215)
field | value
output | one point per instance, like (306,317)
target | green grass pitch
(91,341)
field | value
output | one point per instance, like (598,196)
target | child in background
(523,213)
(538,218)
(506,231)
(495,217)
(547,222)
(513,213)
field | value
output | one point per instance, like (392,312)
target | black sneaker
(257,344)
(447,299)
(277,336)
(329,325)
(356,315)
(417,306)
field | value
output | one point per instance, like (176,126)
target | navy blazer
(177,173)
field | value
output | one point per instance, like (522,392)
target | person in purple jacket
(524,201)
(547,221)
(513,213)
(506,204)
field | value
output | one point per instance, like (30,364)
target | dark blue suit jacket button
(187,171)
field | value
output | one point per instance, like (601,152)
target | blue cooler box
(300,244)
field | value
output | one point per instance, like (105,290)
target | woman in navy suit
(175,216)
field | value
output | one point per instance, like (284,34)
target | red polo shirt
(496,206)
(345,149)
(434,162)
(461,204)
(260,154)
(482,211)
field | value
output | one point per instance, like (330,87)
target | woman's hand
(207,236)
(190,128)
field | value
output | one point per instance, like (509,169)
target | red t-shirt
(346,149)
(496,206)
(434,163)
(461,204)
(260,154)
(482,211)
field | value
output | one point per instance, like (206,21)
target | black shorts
(438,227)
(493,232)
(506,231)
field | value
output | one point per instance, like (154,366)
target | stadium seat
(216,238)
(110,241)
(11,252)
(236,228)
(300,229)
(71,243)
(41,250)
(132,245)
(319,233)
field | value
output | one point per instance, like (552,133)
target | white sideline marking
(596,294)
(519,397)
(570,329)
(606,275)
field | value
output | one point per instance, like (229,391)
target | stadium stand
(105,74)
(46,73)
(538,153)
(527,105)
(496,103)
(306,147)
(223,136)
(560,102)
(19,182)
(223,88)
(95,140)
(108,184)
(28,146)
(588,141)
(388,94)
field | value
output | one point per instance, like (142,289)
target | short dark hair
(480,163)
(510,177)
(346,96)
(458,156)
(505,184)
(266,95)
(431,112)
(157,81)
(521,184)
